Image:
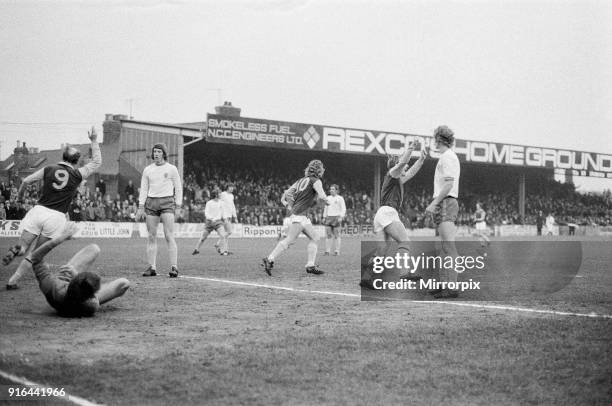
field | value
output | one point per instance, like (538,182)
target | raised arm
(396,171)
(96,155)
(409,173)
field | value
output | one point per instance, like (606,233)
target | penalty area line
(25,382)
(439,302)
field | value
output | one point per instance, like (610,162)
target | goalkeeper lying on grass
(74,291)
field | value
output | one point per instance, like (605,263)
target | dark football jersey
(305,195)
(391,193)
(60,184)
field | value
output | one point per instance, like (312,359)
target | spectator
(100,211)
(75,211)
(129,189)
(90,212)
(540,222)
(101,186)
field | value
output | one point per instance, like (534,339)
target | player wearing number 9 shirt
(47,219)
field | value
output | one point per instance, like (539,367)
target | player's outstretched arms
(396,171)
(96,155)
(40,252)
(409,173)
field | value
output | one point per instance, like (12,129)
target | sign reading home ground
(315,137)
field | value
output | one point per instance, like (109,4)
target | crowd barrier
(11,228)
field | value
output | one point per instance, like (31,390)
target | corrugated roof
(199,125)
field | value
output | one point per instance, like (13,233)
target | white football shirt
(160,181)
(213,210)
(447,167)
(336,206)
(229,209)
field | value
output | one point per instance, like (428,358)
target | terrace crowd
(259,186)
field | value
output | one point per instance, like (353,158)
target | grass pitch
(189,341)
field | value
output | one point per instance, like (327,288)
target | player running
(481,225)
(161,192)
(73,291)
(214,212)
(333,214)
(229,216)
(387,223)
(444,207)
(301,196)
(47,219)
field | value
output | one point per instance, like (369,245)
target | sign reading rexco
(250,131)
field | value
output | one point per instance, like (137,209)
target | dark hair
(444,135)
(164,149)
(71,155)
(82,287)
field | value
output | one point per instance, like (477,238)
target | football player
(333,214)
(73,291)
(47,219)
(161,192)
(387,223)
(301,196)
(229,216)
(213,211)
(481,225)
(444,207)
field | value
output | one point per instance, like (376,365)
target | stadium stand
(260,183)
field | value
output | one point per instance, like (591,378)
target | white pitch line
(518,309)
(465,304)
(261,285)
(69,398)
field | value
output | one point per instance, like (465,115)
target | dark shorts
(54,285)
(213,225)
(156,206)
(447,210)
(332,221)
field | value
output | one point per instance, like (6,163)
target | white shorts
(302,220)
(306,224)
(286,224)
(43,221)
(385,216)
(481,225)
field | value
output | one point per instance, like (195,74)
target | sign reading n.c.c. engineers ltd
(315,137)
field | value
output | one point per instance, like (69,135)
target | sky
(524,72)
